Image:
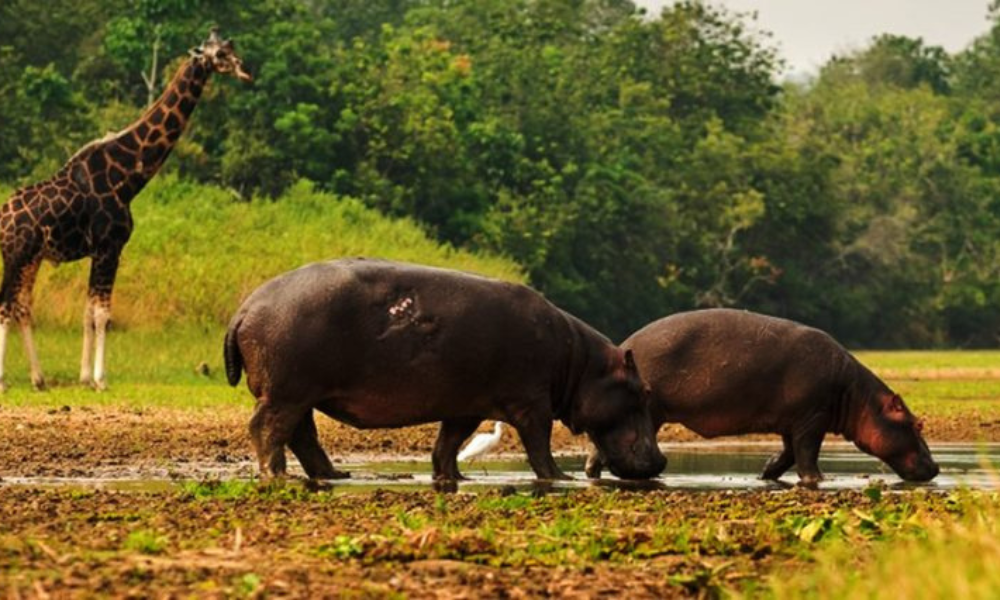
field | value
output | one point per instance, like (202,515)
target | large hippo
(375,343)
(730,372)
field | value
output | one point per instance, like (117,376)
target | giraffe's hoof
(39,385)
(100,385)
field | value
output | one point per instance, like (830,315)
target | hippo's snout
(640,470)
(925,472)
(642,463)
(916,466)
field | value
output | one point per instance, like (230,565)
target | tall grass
(196,252)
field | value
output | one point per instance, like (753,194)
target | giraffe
(84,210)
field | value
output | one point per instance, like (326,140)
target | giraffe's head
(220,56)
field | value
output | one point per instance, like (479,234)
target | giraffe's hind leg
(15,305)
(8,293)
(4,329)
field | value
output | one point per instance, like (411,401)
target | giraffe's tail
(231,351)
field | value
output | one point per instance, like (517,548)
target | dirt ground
(94,442)
(66,542)
(60,543)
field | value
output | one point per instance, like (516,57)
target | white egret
(482,443)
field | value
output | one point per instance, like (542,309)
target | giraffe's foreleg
(87,356)
(103,269)
(102,316)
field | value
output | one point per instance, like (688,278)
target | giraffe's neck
(121,163)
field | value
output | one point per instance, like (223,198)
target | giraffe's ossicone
(83,210)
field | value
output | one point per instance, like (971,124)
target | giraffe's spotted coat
(83,210)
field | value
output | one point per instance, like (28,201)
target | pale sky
(808,32)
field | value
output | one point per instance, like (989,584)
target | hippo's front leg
(450,437)
(535,432)
(780,462)
(306,447)
(806,447)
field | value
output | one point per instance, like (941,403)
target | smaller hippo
(731,372)
(375,343)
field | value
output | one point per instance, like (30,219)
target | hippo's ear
(630,362)
(893,407)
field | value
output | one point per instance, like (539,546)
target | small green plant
(248,584)
(145,541)
(411,521)
(342,547)
(222,490)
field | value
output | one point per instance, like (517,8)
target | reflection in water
(690,466)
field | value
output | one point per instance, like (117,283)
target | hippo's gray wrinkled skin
(375,344)
(730,372)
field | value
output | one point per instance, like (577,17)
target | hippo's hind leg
(595,464)
(306,447)
(780,462)
(271,429)
(535,432)
(450,437)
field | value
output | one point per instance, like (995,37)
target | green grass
(945,396)
(930,359)
(196,252)
(952,384)
(146,368)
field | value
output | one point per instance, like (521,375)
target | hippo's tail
(231,352)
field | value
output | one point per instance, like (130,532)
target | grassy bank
(196,252)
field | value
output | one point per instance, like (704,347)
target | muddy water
(691,466)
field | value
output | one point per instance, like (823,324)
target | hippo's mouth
(916,467)
(925,473)
(632,468)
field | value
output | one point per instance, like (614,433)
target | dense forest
(633,164)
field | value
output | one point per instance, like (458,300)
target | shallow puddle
(691,466)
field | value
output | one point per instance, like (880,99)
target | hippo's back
(726,372)
(393,329)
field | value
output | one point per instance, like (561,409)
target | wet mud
(193,444)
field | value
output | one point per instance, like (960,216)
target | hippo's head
(888,430)
(612,407)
